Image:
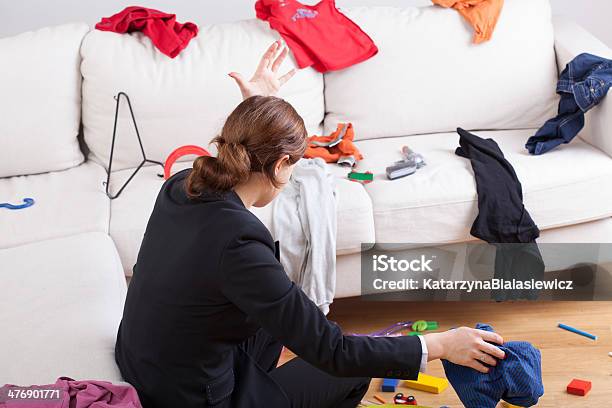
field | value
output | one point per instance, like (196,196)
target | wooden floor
(564,355)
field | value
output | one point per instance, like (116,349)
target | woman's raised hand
(266,81)
(466,347)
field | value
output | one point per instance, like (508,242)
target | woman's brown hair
(260,131)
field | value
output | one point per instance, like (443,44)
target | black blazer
(206,279)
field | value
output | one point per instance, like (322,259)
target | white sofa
(61,304)
(426,80)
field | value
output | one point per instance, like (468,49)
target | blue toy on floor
(27,202)
(389,384)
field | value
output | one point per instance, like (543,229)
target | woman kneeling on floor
(209,306)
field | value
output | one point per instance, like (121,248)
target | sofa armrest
(570,41)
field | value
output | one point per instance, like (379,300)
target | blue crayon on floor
(580,332)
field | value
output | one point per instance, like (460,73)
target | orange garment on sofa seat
(337,147)
(482,15)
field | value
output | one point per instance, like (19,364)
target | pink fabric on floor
(73,394)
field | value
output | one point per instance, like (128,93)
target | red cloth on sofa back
(169,36)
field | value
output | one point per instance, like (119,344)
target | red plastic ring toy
(180,152)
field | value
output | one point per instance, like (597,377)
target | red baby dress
(319,36)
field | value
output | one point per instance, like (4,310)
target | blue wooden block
(389,384)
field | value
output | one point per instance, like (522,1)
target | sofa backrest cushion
(178,101)
(40,104)
(429,77)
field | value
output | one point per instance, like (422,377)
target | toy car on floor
(401,399)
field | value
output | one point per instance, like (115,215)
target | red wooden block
(579,387)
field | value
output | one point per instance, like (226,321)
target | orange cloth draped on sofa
(337,147)
(481,14)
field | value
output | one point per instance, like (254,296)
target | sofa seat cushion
(130,213)
(439,203)
(66,202)
(355,222)
(348,267)
(61,304)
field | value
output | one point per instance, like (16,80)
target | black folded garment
(502,218)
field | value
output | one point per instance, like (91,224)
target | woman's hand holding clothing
(465,346)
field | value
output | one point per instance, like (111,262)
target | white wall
(24,15)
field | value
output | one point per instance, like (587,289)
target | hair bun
(260,131)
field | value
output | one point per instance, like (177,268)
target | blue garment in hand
(517,379)
(583,84)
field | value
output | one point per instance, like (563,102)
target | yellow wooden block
(428,383)
(508,405)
